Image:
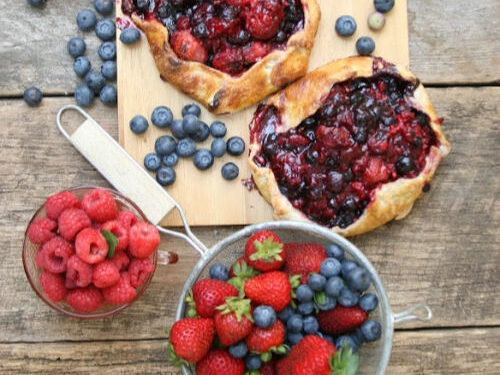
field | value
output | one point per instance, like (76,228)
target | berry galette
(350,146)
(228,54)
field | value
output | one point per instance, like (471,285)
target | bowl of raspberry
(89,252)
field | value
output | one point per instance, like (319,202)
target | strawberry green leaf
(268,250)
(344,362)
(112,241)
(240,307)
(172,357)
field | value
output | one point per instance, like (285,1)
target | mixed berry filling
(228,35)
(366,133)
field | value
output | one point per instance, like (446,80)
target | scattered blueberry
(107,51)
(295,323)
(130,35)
(36,3)
(105,7)
(86,20)
(358,279)
(190,124)
(95,80)
(177,129)
(162,117)
(325,304)
(108,95)
(76,47)
(186,147)
(203,159)
(218,147)
(165,176)
(230,171)
(371,330)
(384,6)
(305,308)
(170,160)
(294,337)
(81,66)
(152,162)
(311,325)
(108,70)
(84,96)
(330,267)
(376,21)
(339,342)
(304,293)
(345,26)
(202,133)
(218,129)
(285,314)
(347,298)
(165,145)
(253,362)
(139,124)
(191,109)
(347,266)
(365,45)
(333,286)
(316,282)
(264,316)
(239,350)
(105,29)
(218,271)
(32,96)
(335,251)
(235,146)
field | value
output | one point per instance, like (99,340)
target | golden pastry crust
(221,92)
(302,99)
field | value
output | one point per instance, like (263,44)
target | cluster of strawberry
(91,251)
(239,320)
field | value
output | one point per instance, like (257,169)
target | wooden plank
(445,352)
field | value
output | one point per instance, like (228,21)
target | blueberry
(203,159)
(139,124)
(339,343)
(285,314)
(107,51)
(105,29)
(230,171)
(105,7)
(294,338)
(191,109)
(330,267)
(304,293)
(329,338)
(165,145)
(345,26)
(186,148)
(219,271)
(384,6)
(316,282)
(264,316)
(108,70)
(108,95)
(81,66)
(376,21)
(130,35)
(335,251)
(190,124)
(326,303)
(84,95)
(76,47)
(162,117)
(347,266)
(142,5)
(86,20)
(405,165)
(333,286)
(177,129)
(165,176)
(218,129)
(36,3)
(358,279)
(32,96)
(218,147)
(311,325)
(368,302)
(170,160)
(357,336)
(305,308)
(202,133)
(347,298)
(235,146)
(95,80)
(152,162)
(295,323)
(239,350)
(253,362)
(371,330)
(365,45)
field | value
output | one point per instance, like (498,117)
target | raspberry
(69,283)
(57,203)
(264,17)
(188,47)
(72,221)
(256,51)
(139,270)
(100,205)
(79,272)
(91,246)
(85,300)
(120,293)
(229,60)
(105,274)
(40,260)
(127,218)
(53,286)
(42,230)
(55,254)
(119,230)
(121,260)
(143,240)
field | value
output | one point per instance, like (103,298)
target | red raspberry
(188,47)
(121,260)
(53,286)
(100,205)
(91,246)
(69,283)
(42,230)
(40,260)
(120,293)
(143,240)
(79,272)
(85,300)
(55,254)
(119,230)
(72,221)
(264,17)
(229,60)
(127,218)
(105,274)
(139,270)
(57,203)
(255,51)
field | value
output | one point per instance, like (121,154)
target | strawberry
(233,321)
(240,272)
(264,251)
(341,319)
(220,362)
(303,258)
(187,47)
(376,171)
(229,60)
(207,294)
(255,51)
(236,264)
(263,18)
(190,339)
(268,368)
(261,340)
(271,288)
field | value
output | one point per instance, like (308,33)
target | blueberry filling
(365,134)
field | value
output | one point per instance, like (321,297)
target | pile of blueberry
(346,26)
(186,133)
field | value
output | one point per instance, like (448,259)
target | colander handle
(413,314)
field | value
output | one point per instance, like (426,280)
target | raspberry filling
(228,35)
(365,134)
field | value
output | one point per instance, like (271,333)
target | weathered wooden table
(446,253)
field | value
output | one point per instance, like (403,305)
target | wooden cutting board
(208,199)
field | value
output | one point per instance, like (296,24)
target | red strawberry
(105,274)
(260,340)
(341,319)
(220,362)
(41,230)
(53,286)
(208,294)
(72,221)
(235,265)
(56,204)
(143,240)
(85,300)
(191,338)
(264,17)
(268,368)
(233,321)
(187,47)
(100,205)
(302,259)
(120,293)
(255,51)
(376,171)
(271,288)
(120,231)
(229,60)
(91,246)
(264,251)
